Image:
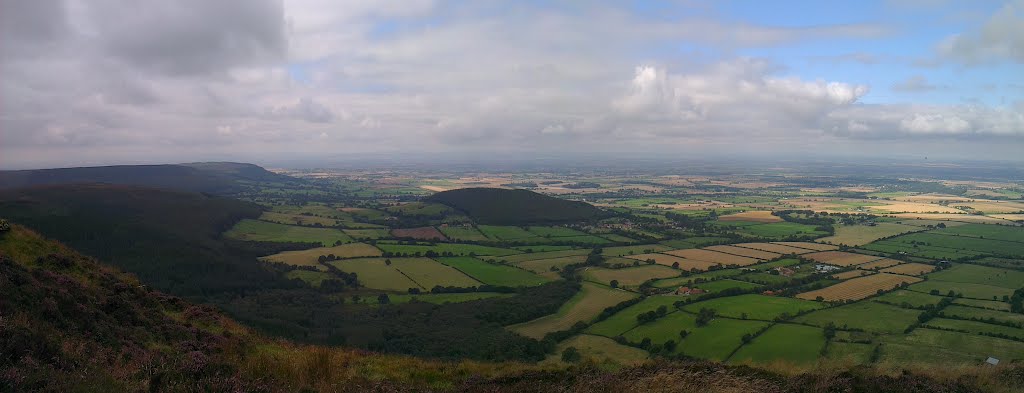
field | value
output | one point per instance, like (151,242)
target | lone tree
(4,225)
(614,284)
(570,355)
(383,299)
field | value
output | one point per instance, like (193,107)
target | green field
(454,248)
(976,291)
(618,238)
(948,348)
(975,327)
(544,265)
(493,274)
(554,231)
(374,273)
(778,230)
(870,316)
(774,264)
(372,234)
(989,304)
(707,276)
(764,278)
(997,232)
(428,273)
(908,299)
(624,320)
(542,248)
(982,314)
(723,284)
(298,219)
(508,233)
(715,341)
(312,209)
(256,230)
(633,250)
(794,343)
(893,246)
(419,209)
(463,233)
(694,242)
(850,352)
(758,307)
(630,275)
(442,298)
(583,307)
(544,255)
(1009,279)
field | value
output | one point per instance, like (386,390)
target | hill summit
(515,207)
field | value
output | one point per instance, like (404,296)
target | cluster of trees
(650,316)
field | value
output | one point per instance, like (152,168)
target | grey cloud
(915,84)
(193,36)
(1001,38)
(305,109)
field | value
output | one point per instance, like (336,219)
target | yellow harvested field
(712,256)
(932,198)
(911,269)
(668,260)
(840,258)
(858,235)
(744,252)
(809,246)
(584,307)
(1011,217)
(754,216)
(913,207)
(601,350)
(993,206)
(435,188)
(851,274)
(879,264)
(776,248)
(971,218)
(309,257)
(859,288)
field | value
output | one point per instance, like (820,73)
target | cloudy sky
(127,81)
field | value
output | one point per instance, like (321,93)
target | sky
(94,82)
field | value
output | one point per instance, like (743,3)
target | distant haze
(279,83)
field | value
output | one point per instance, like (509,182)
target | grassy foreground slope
(514,207)
(71,323)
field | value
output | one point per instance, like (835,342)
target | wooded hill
(209,177)
(515,207)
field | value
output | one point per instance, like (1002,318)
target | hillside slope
(69,323)
(208,177)
(515,207)
(170,239)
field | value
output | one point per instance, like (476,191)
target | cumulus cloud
(109,78)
